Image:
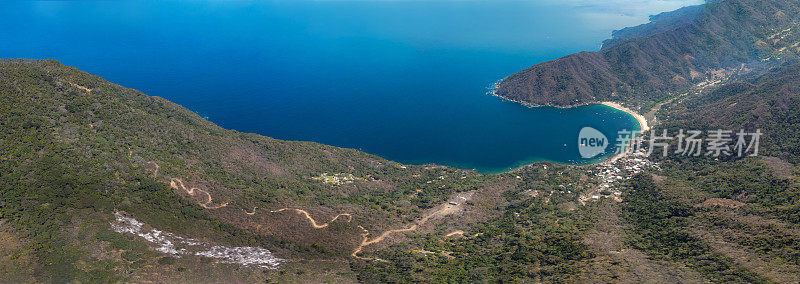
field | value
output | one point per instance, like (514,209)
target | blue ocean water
(405,80)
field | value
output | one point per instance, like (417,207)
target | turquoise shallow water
(405,80)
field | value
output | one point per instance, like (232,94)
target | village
(336,179)
(611,172)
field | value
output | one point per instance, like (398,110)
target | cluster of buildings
(336,179)
(613,171)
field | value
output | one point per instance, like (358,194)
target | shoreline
(643,126)
(640,119)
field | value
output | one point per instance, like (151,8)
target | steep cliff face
(673,52)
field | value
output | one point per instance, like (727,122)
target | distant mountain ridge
(81,157)
(661,22)
(675,51)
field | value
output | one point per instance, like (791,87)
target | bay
(405,80)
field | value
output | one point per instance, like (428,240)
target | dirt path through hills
(155,171)
(450,207)
(442,210)
(177,183)
(461,233)
(314,223)
(81,87)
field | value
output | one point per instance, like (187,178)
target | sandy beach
(643,125)
(640,118)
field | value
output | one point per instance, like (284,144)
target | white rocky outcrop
(166,242)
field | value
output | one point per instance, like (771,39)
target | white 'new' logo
(591,142)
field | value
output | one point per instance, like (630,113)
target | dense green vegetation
(73,157)
(659,227)
(648,63)
(70,155)
(531,238)
(75,148)
(768,101)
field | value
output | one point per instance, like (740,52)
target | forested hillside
(101,183)
(677,50)
(76,149)
(79,153)
(739,211)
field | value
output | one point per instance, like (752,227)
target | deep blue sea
(405,80)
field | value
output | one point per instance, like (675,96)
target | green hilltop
(78,153)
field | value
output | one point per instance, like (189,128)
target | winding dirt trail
(175,182)
(461,233)
(81,87)
(385,234)
(314,223)
(379,238)
(365,235)
(251,213)
(453,233)
(443,210)
(155,171)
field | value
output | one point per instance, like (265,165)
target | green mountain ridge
(73,142)
(77,152)
(646,64)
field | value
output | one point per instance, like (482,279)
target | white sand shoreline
(643,125)
(639,118)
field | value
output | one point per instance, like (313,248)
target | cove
(405,80)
